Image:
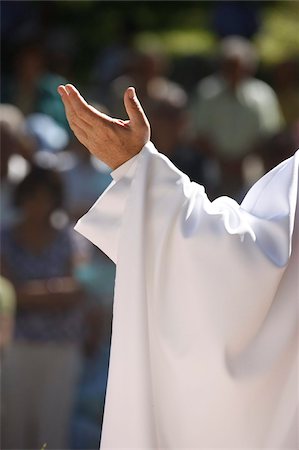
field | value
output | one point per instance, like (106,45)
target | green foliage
(279,36)
(177,27)
(178,42)
(277,39)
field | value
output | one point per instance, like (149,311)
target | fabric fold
(205,324)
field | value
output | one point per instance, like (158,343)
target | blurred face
(39,206)
(234,71)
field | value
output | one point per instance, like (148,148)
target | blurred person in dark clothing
(98,276)
(75,164)
(96,272)
(14,141)
(41,368)
(285,76)
(279,146)
(233,112)
(149,72)
(170,122)
(286,85)
(32,86)
(112,60)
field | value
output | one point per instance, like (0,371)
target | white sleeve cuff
(123,169)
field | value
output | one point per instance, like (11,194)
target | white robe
(205,325)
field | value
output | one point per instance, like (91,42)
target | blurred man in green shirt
(233,112)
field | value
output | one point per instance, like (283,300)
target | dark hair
(39,178)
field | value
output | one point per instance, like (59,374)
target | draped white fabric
(205,328)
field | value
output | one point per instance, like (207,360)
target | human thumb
(134,109)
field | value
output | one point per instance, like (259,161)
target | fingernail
(60,90)
(68,89)
(132,92)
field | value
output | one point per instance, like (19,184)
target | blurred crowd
(56,289)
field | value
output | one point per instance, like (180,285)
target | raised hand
(114,141)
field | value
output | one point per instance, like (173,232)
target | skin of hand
(113,141)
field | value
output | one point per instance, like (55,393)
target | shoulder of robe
(271,206)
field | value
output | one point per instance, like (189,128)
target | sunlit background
(219,82)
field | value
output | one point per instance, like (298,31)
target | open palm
(114,141)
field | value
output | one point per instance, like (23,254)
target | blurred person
(76,164)
(169,120)
(285,76)
(233,112)
(96,273)
(41,368)
(61,46)
(32,86)
(148,71)
(279,146)
(47,133)
(286,85)
(14,141)
(204,346)
(98,278)
(112,61)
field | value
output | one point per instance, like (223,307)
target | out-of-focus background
(219,82)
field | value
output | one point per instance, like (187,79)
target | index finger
(69,110)
(76,124)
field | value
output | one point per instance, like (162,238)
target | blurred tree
(179,27)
